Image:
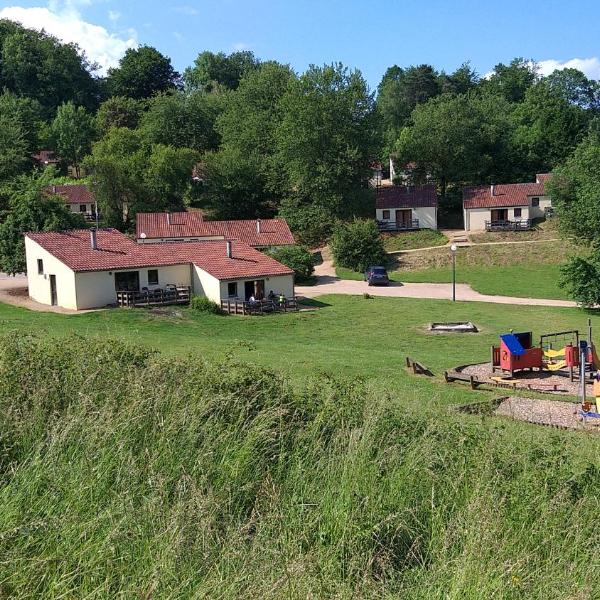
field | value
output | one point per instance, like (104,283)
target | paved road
(328,283)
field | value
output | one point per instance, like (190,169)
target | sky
(370,36)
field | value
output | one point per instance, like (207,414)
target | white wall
(278,284)
(39,285)
(537,212)
(475,218)
(204,284)
(96,289)
(89,207)
(427,216)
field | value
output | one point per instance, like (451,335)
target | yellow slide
(554,353)
(556,366)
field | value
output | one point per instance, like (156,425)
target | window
(535,202)
(152,276)
(232,289)
(82,208)
(40,266)
(517,212)
(386,214)
(127,281)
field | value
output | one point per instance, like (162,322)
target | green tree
(548,128)
(574,87)
(119,111)
(312,224)
(14,151)
(211,71)
(513,80)
(142,72)
(327,137)
(31,209)
(72,132)
(131,175)
(298,258)
(36,65)
(183,120)
(461,81)
(358,245)
(458,139)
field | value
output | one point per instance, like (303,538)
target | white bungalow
(83,269)
(403,207)
(506,206)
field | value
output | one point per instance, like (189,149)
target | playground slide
(556,366)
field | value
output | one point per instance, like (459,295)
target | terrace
(398,226)
(259,307)
(519,225)
(172,294)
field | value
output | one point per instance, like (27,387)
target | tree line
(263,140)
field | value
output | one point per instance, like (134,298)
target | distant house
(85,268)
(191,227)
(404,207)
(79,198)
(376,178)
(45,158)
(506,206)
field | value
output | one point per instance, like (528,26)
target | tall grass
(127,474)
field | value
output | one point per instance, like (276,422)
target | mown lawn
(410,240)
(346,335)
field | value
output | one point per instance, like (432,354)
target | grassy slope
(408,240)
(123,473)
(523,270)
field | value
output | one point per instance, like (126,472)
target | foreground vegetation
(127,472)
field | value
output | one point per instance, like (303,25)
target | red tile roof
(73,193)
(506,194)
(116,251)
(406,196)
(543,177)
(273,232)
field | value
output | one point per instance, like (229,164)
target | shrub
(297,258)
(357,245)
(203,304)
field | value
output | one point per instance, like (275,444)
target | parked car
(377,276)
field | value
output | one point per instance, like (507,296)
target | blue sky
(367,35)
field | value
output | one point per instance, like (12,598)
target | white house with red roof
(191,227)
(506,205)
(403,207)
(81,269)
(79,197)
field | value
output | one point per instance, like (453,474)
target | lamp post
(453,248)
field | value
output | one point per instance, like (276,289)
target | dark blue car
(377,276)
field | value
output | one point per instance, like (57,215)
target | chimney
(493,189)
(229,252)
(258,226)
(93,238)
(168,218)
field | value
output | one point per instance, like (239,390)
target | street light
(454,248)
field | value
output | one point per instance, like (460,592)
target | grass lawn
(346,336)
(408,240)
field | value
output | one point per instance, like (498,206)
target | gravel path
(546,412)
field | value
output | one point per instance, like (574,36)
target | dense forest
(262,139)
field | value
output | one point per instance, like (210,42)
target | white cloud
(240,46)
(114,15)
(588,66)
(63,20)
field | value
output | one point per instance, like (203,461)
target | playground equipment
(516,353)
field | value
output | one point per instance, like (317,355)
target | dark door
(403,219)
(53,295)
(500,214)
(127,281)
(259,289)
(248,289)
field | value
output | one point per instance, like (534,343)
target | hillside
(129,473)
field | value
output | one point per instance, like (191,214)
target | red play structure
(516,353)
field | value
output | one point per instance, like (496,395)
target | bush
(203,304)
(358,245)
(297,258)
